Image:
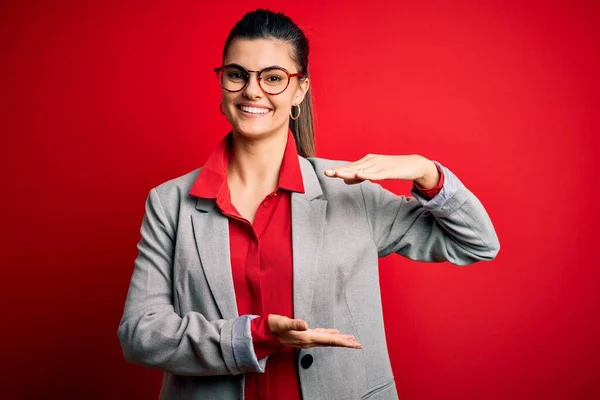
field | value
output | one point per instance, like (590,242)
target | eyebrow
(239,66)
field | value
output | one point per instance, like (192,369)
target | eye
(273,78)
(235,75)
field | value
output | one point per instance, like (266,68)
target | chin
(254,130)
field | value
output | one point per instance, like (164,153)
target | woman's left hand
(375,167)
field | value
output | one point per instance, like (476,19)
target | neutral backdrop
(101,101)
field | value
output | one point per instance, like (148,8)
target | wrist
(430,176)
(263,340)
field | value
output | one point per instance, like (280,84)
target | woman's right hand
(296,333)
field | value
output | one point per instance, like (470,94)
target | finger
(327,330)
(348,341)
(329,340)
(346,174)
(370,169)
(356,166)
(287,324)
(350,178)
(362,163)
(298,325)
(372,175)
(331,172)
(313,338)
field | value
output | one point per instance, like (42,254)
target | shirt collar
(212,179)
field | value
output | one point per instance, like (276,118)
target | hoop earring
(292,113)
(221,108)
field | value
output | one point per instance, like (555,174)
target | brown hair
(264,24)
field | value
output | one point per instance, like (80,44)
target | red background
(101,101)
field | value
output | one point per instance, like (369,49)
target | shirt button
(306,361)
(265,204)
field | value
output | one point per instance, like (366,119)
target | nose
(253,89)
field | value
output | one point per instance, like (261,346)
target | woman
(257,274)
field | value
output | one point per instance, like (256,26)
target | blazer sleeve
(452,226)
(153,334)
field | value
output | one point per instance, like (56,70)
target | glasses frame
(219,72)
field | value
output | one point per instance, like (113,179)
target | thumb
(279,324)
(298,325)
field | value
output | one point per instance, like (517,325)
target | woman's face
(272,115)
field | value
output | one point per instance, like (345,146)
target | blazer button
(306,361)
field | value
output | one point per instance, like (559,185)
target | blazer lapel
(308,225)
(211,231)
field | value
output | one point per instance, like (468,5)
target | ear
(301,90)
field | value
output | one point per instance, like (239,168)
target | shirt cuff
(265,343)
(449,189)
(431,193)
(243,349)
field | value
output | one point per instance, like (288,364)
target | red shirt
(261,263)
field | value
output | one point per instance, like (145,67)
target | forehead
(260,53)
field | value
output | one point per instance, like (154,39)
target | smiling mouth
(254,110)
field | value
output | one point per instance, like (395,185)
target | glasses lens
(233,78)
(273,80)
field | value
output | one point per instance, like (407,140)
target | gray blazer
(181,317)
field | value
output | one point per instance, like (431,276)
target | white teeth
(254,110)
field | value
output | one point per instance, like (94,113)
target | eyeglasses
(272,80)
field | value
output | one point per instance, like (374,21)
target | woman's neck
(255,163)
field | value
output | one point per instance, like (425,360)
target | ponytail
(303,128)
